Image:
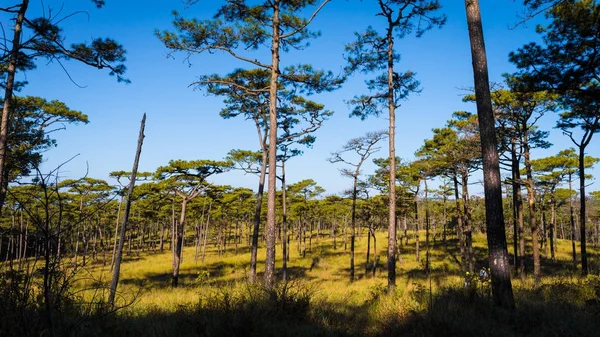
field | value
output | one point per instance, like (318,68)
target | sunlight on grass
(324,271)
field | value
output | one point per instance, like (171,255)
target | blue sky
(184,124)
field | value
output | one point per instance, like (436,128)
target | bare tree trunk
(117,269)
(498,254)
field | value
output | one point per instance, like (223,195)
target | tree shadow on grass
(187,275)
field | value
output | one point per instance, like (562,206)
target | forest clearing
(305,168)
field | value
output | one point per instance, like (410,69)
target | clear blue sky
(185,124)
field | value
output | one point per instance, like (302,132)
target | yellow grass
(323,270)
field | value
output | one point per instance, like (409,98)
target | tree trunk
(467,225)
(535,230)
(271,221)
(459,226)
(345,234)
(582,211)
(206,232)
(553,228)
(391,253)
(162,237)
(368,250)
(427,225)
(521,225)
(498,254)
(517,214)
(445,215)
(8,95)
(310,234)
(284,222)
(352,227)
(114,253)
(375,257)
(117,269)
(102,245)
(333,232)
(417,228)
(257,213)
(572,222)
(178,254)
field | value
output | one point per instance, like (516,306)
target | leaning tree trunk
(496,237)
(117,268)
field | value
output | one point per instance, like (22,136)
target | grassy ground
(214,298)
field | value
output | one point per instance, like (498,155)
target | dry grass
(214,298)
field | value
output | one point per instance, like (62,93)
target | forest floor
(215,299)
